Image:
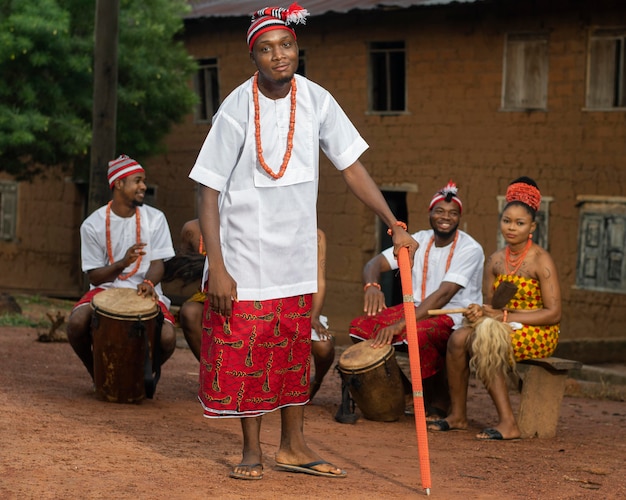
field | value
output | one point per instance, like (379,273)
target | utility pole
(104,101)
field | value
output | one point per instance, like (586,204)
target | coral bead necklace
(425,269)
(110,246)
(257,128)
(513,260)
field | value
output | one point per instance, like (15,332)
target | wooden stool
(543,386)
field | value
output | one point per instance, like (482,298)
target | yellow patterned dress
(531,341)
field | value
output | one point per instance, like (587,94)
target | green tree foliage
(46,76)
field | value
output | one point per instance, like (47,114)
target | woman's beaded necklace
(110,247)
(425,270)
(257,128)
(513,260)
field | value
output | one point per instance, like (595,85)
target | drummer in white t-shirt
(123,245)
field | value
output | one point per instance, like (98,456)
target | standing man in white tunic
(258,173)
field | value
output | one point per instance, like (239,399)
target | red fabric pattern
(258,360)
(432,335)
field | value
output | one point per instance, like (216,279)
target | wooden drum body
(124,330)
(374,380)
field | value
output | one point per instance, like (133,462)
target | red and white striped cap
(122,167)
(273,18)
(447,193)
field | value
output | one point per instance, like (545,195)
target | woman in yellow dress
(530,320)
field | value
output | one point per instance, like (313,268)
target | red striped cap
(122,167)
(273,18)
(447,193)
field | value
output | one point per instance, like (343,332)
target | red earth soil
(58,441)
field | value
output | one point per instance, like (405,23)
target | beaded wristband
(149,282)
(398,223)
(505,315)
(367,285)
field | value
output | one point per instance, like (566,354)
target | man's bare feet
(247,471)
(308,463)
(314,468)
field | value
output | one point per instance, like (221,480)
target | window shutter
(601,90)
(616,239)
(601,263)
(590,251)
(526,72)
(8,210)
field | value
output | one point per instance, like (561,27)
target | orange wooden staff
(416,374)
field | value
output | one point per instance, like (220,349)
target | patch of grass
(34,299)
(17,320)
(26,301)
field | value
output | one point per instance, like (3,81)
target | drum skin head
(363,356)
(124,303)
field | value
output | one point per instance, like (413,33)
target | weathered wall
(453,129)
(44,257)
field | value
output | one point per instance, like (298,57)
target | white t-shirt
(155,232)
(466,270)
(268,227)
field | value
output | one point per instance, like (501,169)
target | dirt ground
(58,441)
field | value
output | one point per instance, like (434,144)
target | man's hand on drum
(374,301)
(385,335)
(146,289)
(222,291)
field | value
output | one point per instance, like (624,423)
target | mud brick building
(476,91)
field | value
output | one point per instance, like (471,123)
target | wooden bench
(543,386)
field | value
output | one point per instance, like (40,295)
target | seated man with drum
(447,273)
(123,246)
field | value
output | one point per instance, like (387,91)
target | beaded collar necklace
(425,269)
(514,260)
(110,247)
(257,128)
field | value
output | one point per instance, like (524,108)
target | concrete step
(614,374)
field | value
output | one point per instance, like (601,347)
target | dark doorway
(390,281)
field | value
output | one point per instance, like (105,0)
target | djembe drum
(374,381)
(126,331)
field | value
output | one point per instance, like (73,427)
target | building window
(387,77)
(601,242)
(150,196)
(540,236)
(207,89)
(8,210)
(525,80)
(606,69)
(301,63)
